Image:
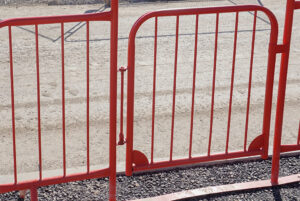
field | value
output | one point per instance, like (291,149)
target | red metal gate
(136,160)
(110,16)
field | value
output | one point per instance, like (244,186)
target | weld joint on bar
(297,5)
(281,48)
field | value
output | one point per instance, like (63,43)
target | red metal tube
(154,89)
(113,99)
(289,15)
(121,135)
(213,85)
(38,98)
(232,80)
(33,194)
(63,98)
(103,16)
(88,96)
(298,141)
(194,81)
(174,88)
(122,102)
(250,80)
(54,180)
(289,148)
(12,103)
(194,11)
(269,85)
(297,4)
(130,104)
(198,159)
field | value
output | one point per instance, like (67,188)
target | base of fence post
(264,156)
(33,194)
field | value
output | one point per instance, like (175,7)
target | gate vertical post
(269,86)
(130,105)
(281,89)
(113,98)
(130,101)
(33,194)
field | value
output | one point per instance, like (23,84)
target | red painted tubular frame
(278,147)
(133,156)
(194,84)
(154,89)
(213,85)
(110,172)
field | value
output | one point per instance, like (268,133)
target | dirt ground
(75,87)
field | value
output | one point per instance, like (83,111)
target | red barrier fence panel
(111,16)
(278,147)
(136,160)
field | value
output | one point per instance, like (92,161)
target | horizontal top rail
(210,10)
(104,16)
(297,5)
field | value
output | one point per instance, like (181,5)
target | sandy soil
(75,89)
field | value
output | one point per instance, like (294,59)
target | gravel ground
(159,183)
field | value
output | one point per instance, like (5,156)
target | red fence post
(113,99)
(33,194)
(281,89)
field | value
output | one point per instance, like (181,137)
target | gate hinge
(122,69)
(280,48)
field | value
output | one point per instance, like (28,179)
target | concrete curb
(223,189)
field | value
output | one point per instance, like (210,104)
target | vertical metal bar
(130,104)
(122,105)
(250,80)
(113,99)
(121,135)
(194,81)
(298,140)
(88,96)
(12,103)
(33,194)
(38,98)
(154,88)
(63,99)
(174,88)
(232,80)
(213,84)
(288,25)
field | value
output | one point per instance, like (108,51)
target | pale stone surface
(75,64)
